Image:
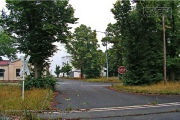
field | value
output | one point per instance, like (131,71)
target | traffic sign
(25,68)
(121,70)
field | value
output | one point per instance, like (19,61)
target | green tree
(173,41)
(114,53)
(7,46)
(37,25)
(94,64)
(57,70)
(140,43)
(83,47)
(66,69)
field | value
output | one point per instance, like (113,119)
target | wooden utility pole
(162,11)
(164,49)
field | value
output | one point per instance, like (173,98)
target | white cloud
(94,13)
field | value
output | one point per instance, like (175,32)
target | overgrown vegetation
(48,82)
(104,79)
(172,88)
(139,45)
(11,99)
(37,97)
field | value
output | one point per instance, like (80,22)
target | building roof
(4,62)
(15,60)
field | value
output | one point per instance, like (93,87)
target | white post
(24,70)
(107,62)
(23,89)
(23,80)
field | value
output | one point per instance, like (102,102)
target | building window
(17,72)
(2,72)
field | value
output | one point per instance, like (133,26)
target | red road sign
(121,70)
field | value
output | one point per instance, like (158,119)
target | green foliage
(83,47)
(46,82)
(94,64)
(173,41)
(7,46)
(137,45)
(37,25)
(66,69)
(57,70)
(114,53)
(28,115)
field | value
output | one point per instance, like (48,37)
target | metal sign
(25,68)
(121,70)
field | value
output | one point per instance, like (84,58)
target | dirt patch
(112,88)
(54,102)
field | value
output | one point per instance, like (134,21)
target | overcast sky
(93,13)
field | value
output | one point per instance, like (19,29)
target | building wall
(10,70)
(5,73)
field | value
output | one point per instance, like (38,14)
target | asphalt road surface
(85,100)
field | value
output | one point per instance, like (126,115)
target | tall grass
(11,98)
(104,79)
(159,88)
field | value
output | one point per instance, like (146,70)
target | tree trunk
(37,70)
(81,73)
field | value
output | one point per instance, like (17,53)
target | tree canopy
(139,41)
(7,46)
(83,46)
(36,25)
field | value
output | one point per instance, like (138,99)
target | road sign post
(24,70)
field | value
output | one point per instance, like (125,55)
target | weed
(159,88)
(69,108)
(12,99)
(104,79)
(28,115)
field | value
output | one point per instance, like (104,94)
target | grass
(104,79)
(11,98)
(171,88)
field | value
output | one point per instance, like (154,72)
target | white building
(75,72)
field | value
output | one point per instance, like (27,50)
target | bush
(45,82)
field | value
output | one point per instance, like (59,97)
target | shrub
(45,82)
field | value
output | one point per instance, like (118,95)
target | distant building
(75,72)
(9,70)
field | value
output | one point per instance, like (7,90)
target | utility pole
(164,48)
(161,11)
(107,70)
(107,74)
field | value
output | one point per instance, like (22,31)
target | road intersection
(85,100)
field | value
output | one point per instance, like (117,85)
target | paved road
(94,101)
